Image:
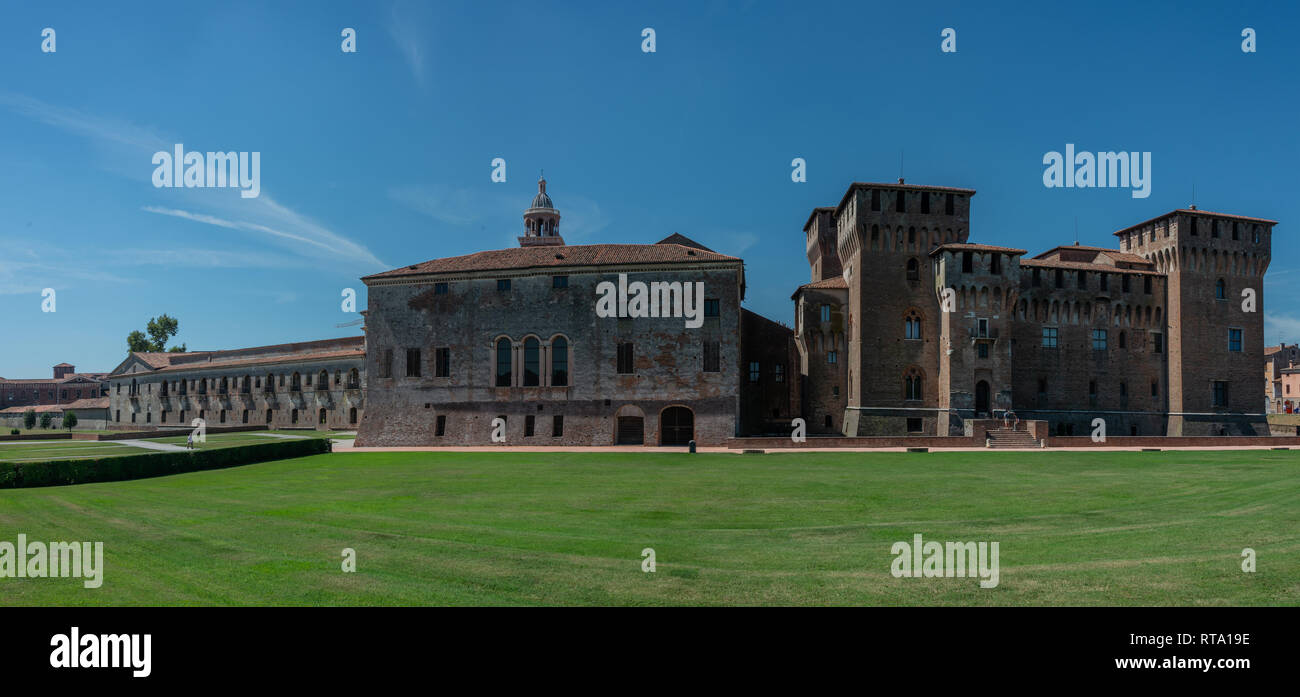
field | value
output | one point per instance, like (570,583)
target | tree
(46,419)
(29,419)
(69,419)
(154,338)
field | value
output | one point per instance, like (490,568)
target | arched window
(1123,340)
(354,379)
(912,325)
(560,361)
(323,380)
(295,384)
(1220,290)
(913,269)
(270,382)
(532,356)
(912,384)
(503,362)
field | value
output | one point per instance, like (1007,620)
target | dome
(541,200)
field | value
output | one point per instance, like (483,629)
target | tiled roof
(562,255)
(968,247)
(1104,268)
(683,240)
(276,353)
(1114,254)
(1187,211)
(264,360)
(90,403)
(833,282)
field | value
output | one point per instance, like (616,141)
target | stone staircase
(1004,438)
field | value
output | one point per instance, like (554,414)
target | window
(983,349)
(1234,340)
(559,281)
(441,363)
(982,327)
(532,358)
(1099,340)
(912,325)
(913,425)
(529,423)
(1220,290)
(503,363)
(828,421)
(925,202)
(778,373)
(995,263)
(826,313)
(440,289)
(755,371)
(1220,393)
(412,363)
(1042,385)
(1123,388)
(1214,228)
(560,362)
(1124,282)
(1146,285)
(440,428)
(966,262)
(913,269)
(875,199)
(900,204)
(1083,280)
(712,307)
(1092,388)
(1157,343)
(557,426)
(503,284)
(625,358)
(1105,281)
(352,415)
(832,356)
(947,205)
(712,357)
(1191,227)
(385,366)
(1037,278)
(1060,278)
(1123,340)
(1235,234)
(1155,388)
(912,385)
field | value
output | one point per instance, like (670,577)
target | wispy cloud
(496,210)
(1279,327)
(405,32)
(31,277)
(288,228)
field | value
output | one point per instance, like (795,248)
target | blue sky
(382,158)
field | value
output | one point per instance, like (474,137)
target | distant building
(1277,394)
(67,385)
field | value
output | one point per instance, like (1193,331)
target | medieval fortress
(905,328)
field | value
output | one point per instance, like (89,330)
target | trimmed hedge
(112,469)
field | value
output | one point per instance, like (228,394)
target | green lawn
(41,450)
(1163,528)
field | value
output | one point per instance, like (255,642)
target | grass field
(37,451)
(1164,528)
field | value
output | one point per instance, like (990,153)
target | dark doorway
(676,426)
(631,430)
(981,398)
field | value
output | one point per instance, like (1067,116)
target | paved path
(280,435)
(147,445)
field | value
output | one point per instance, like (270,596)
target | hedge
(15,475)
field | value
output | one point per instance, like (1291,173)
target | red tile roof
(257,355)
(520,258)
(1104,268)
(82,404)
(969,247)
(1187,211)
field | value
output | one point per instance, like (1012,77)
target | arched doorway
(981,398)
(630,426)
(676,426)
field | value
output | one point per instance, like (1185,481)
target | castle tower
(822,246)
(541,221)
(885,235)
(1215,320)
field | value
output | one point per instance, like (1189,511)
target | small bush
(14,431)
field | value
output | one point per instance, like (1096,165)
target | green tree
(69,419)
(29,419)
(154,338)
(46,419)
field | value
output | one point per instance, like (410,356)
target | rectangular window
(557,426)
(529,422)
(1124,282)
(925,202)
(1060,278)
(712,357)
(1220,393)
(1157,343)
(1234,340)
(441,427)
(966,262)
(412,364)
(826,313)
(755,371)
(712,306)
(983,349)
(982,327)
(1105,281)
(900,203)
(559,281)
(947,206)
(778,373)
(1191,227)
(1146,285)
(995,263)
(625,358)
(1037,278)
(1083,280)
(440,289)
(385,365)
(1123,389)
(875,199)
(913,425)
(1155,388)
(442,363)
(503,284)
(832,356)
(1099,340)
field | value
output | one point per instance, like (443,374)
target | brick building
(311,384)
(1163,336)
(517,335)
(1276,359)
(66,385)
